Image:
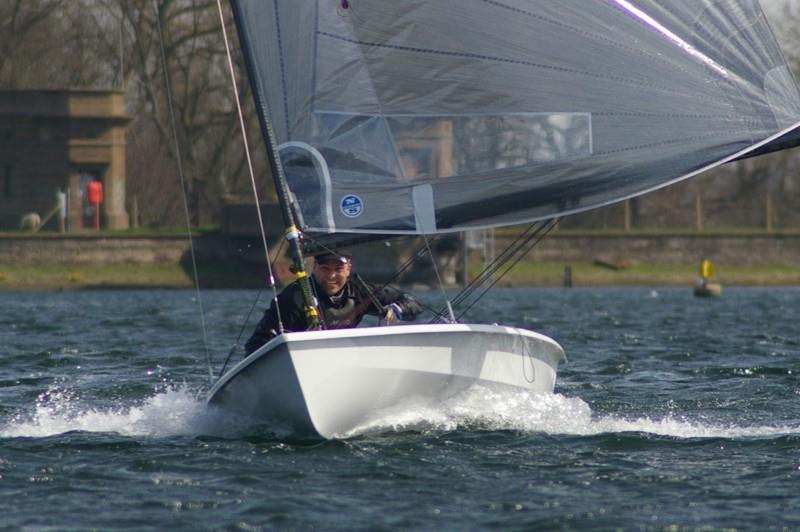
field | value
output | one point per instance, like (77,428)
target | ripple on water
(669,412)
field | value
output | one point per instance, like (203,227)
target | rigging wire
(403,267)
(248,155)
(251,171)
(439,279)
(487,272)
(490,269)
(510,256)
(247,318)
(532,242)
(178,158)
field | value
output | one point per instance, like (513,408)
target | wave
(555,414)
(178,410)
(174,411)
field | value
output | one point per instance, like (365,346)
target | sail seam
(667,142)
(470,55)
(595,36)
(716,118)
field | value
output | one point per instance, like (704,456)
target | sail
(428,116)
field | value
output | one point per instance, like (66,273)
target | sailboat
(423,117)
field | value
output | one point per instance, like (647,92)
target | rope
(183,185)
(528,245)
(403,267)
(496,263)
(251,171)
(510,256)
(527,355)
(248,156)
(486,274)
(439,279)
(247,319)
(406,265)
(371,295)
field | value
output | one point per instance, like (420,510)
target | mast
(291,232)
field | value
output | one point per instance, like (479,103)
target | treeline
(119,44)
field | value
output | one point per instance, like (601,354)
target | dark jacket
(345,310)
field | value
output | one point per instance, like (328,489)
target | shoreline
(56,278)
(141,260)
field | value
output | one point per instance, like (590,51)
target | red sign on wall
(95,192)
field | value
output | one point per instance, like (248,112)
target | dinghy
(326,383)
(422,117)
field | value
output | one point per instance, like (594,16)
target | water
(672,412)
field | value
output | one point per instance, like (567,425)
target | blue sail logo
(351,206)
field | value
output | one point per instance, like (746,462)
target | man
(343,301)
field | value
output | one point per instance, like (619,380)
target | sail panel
(496,112)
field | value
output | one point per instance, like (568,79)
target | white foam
(545,413)
(171,412)
(179,411)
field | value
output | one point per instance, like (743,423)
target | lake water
(672,412)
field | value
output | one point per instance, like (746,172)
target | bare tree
(116,43)
(26,30)
(206,123)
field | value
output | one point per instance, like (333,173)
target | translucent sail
(426,116)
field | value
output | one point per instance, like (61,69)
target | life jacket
(344,310)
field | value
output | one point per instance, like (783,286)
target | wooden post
(465,259)
(62,212)
(627,214)
(769,212)
(67,206)
(135,214)
(698,210)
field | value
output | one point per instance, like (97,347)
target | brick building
(58,141)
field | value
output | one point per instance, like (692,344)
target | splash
(178,411)
(490,409)
(174,411)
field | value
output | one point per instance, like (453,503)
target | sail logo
(351,206)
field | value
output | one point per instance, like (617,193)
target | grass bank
(583,274)
(77,277)
(221,275)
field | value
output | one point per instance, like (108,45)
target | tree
(205,118)
(116,43)
(38,41)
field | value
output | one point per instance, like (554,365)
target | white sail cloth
(425,116)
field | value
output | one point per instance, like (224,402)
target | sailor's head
(331,270)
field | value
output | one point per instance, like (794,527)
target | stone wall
(745,250)
(741,250)
(68,249)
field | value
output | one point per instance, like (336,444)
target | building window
(8,189)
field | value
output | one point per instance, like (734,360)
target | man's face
(331,276)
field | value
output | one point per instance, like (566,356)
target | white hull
(326,383)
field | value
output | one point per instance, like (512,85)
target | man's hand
(391,313)
(406,308)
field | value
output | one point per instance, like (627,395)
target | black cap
(333,256)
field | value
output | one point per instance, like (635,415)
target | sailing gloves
(405,308)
